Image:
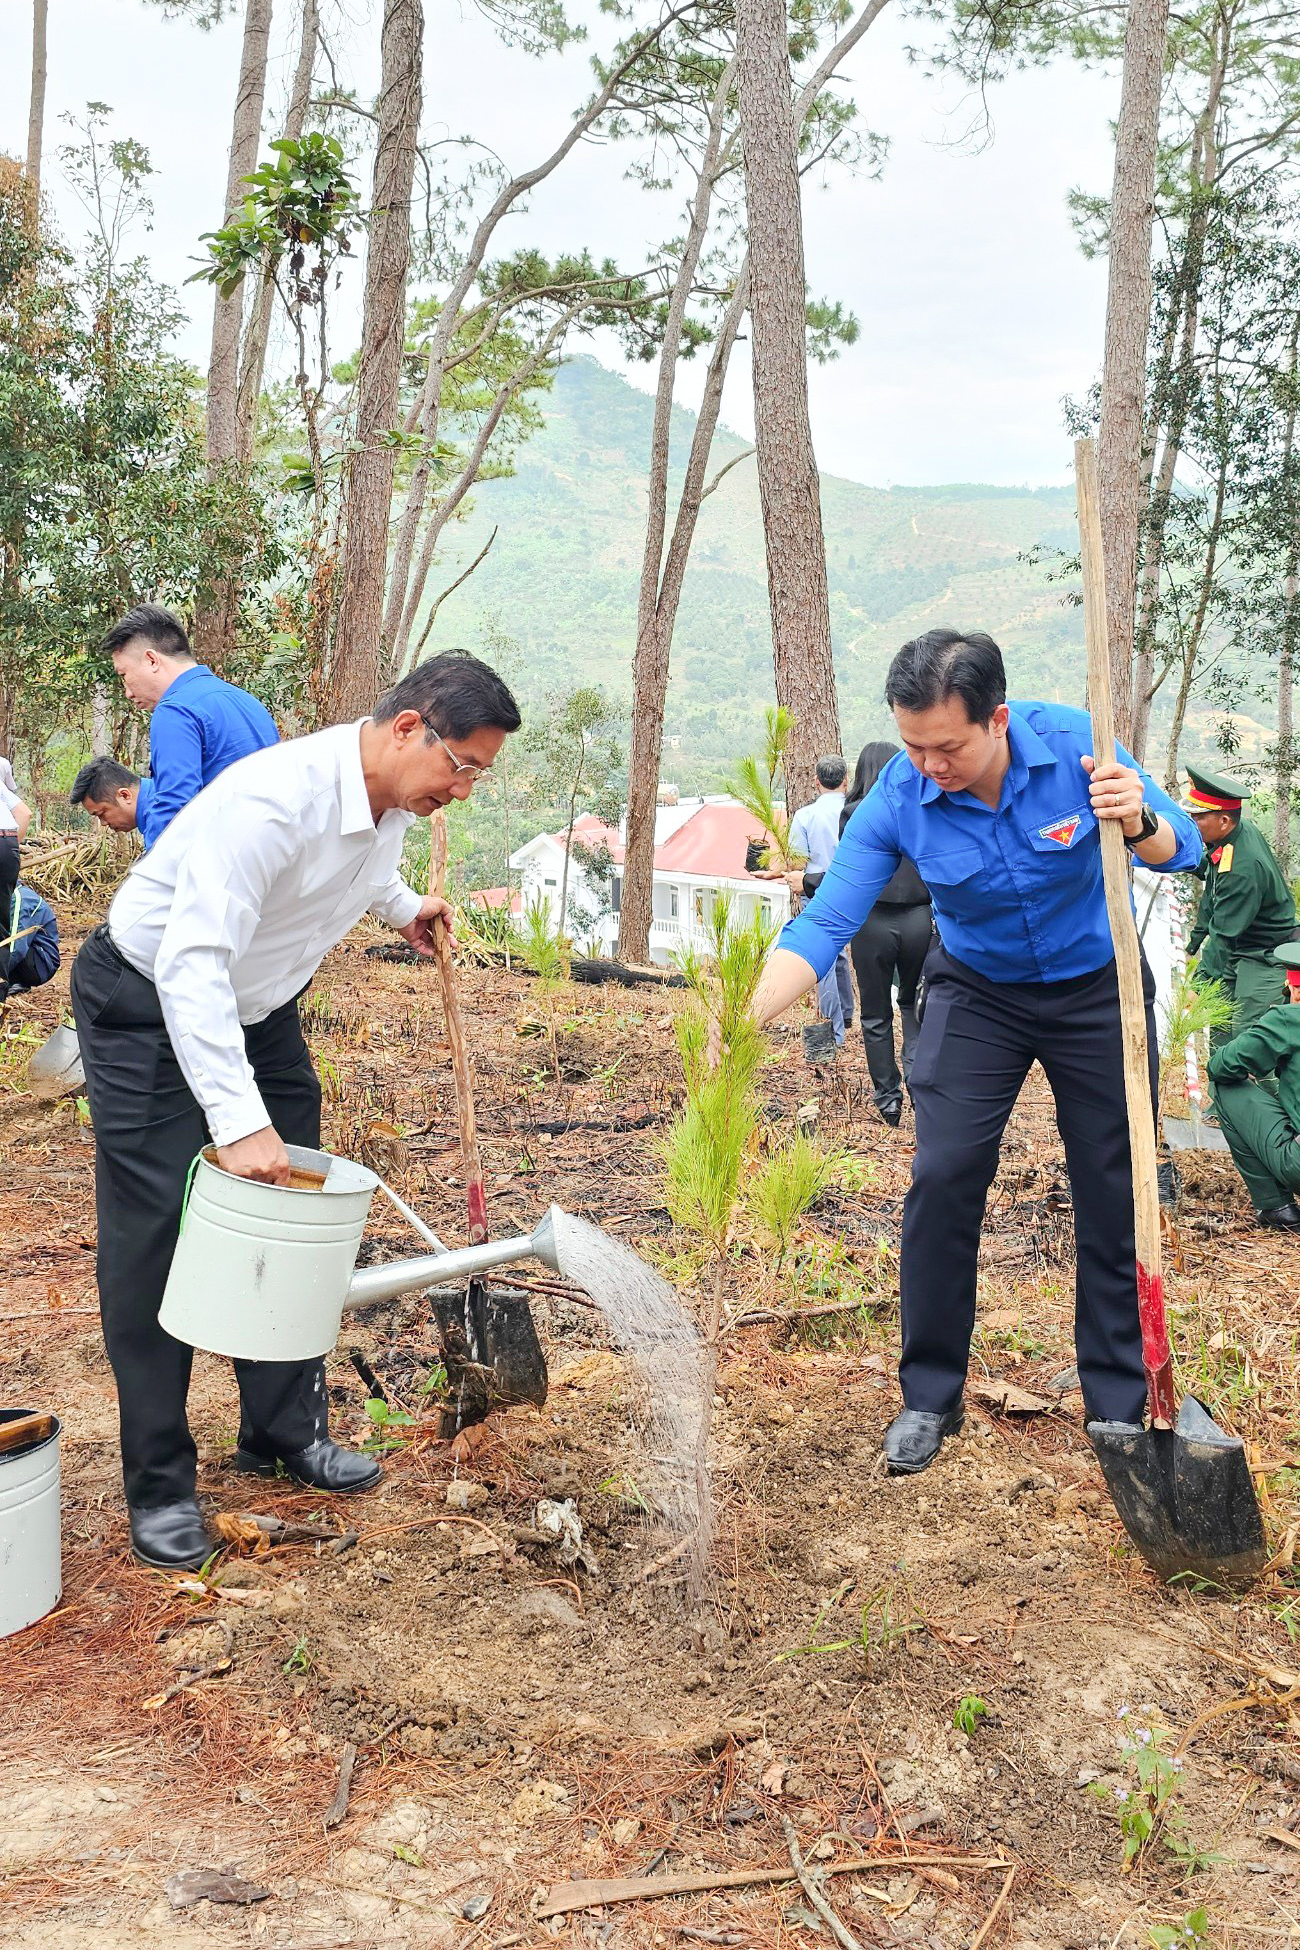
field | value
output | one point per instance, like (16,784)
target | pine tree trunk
(787,467)
(1196,633)
(653,632)
(228,313)
(253,361)
(1285,775)
(650,674)
(355,672)
(1285,750)
(216,615)
(1128,311)
(1160,482)
(36,109)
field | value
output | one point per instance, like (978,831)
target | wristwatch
(1150,822)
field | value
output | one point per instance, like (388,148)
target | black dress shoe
(892,1112)
(1282,1218)
(913,1439)
(320,1466)
(172,1537)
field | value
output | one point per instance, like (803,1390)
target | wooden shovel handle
(24,1431)
(460,1068)
(1157,1358)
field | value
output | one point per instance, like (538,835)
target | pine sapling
(753,783)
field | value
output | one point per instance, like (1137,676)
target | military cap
(1289,956)
(1212,792)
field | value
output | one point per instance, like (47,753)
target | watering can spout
(374,1284)
(544,1242)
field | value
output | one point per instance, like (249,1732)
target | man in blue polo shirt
(200,723)
(997,806)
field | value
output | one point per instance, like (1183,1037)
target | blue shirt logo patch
(1061,830)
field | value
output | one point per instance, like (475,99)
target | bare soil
(517,1724)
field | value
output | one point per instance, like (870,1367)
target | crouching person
(187,1014)
(1256,1080)
(34,955)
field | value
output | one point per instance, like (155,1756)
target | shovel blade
(491,1351)
(1184,1495)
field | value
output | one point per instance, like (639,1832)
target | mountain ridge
(561,578)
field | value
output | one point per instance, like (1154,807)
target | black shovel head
(1185,1495)
(491,1352)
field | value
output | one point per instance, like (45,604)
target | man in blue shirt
(200,723)
(815,832)
(34,934)
(997,806)
(108,793)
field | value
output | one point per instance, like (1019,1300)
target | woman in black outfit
(890,946)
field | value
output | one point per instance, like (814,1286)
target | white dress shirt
(233,909)
(9,798)
(815,829)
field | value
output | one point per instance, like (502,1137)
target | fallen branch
(987,1925)
(790,1316)
(594,1892)
(217,1669)
(807,1883)
(47,1313)
(338,1807)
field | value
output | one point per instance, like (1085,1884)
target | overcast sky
(977,311)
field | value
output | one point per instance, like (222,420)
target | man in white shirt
(186,1009)
(815,831)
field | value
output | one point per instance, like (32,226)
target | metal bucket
(31,1568)
(261,1272)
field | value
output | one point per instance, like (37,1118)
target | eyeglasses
(458,765)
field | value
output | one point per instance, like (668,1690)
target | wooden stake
(460,1063)
(1157,1357)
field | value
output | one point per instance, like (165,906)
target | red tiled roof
(711,841)
(588,830)
(496,897)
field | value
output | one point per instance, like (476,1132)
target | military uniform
(1263,1128)
(1246,908)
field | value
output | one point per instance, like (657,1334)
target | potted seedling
(754,784)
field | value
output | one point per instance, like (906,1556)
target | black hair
(100,780)
(455,694)
(872,760)
(947,663)
(831,772)
(161,630)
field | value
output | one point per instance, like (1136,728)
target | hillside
(561,578)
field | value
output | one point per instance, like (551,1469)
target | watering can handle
(189,1187)
(412,1218)
(1157,1358)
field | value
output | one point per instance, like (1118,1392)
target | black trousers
(978,1040)
(8,886)
(148,1128)
(890,946)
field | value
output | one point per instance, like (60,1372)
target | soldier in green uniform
(1263,1129)
(1246,910)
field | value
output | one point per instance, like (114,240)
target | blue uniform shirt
(1017,888)
(35,954)
(200,725)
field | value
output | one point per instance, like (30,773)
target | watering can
(264,1272)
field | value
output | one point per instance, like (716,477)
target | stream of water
(647,1323)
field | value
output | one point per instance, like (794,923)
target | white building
(700,847)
